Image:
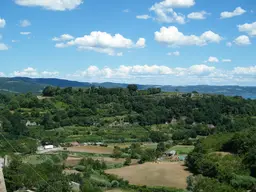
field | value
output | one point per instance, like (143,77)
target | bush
(127,161)
(114,184)
(245,182)
(79,168)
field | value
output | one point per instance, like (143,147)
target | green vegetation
(221,128)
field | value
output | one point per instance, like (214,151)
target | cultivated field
(154,174)
(91,149)
(183,149)
(72,161)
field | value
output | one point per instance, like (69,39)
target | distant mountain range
(36,85)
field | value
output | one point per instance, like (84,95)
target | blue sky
(175,42)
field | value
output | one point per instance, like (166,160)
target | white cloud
(25,23)
(64,37)
(160,74)
(242,40)
(2,23)
(229,44)
(102,42)
(126,11)
(198,15)
(56,5)
(141,43)
(213,59)
(165,13)
(15,41)
(249,28)
(201,69)
(50,74)
(226,60)
(238,11)
(175,53)
(176,3)
(3,47)
(28,72)
(32,72)
(251,70)
(2,74)
(168,15)
(173,37)
(25,33)
(145,17)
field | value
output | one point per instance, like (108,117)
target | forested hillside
(222,129)
(36,86)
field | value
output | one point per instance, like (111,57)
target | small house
(48,147)
(210,126)
(28,124)
(170,153)
(99,143)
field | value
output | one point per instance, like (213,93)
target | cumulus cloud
(145,17)
(176,3)
(2,74)
(213,59)
(101,42)
(2,23)
(251,70)
(25,33)
(55,5)
(160,74)
(249,28)
(141,43)
(164,10)
(226,60)
(197,15)
(3,47)
(64,37)
(173,37)
(50,73)
(242,40)
(144,70)
(238,11)
(175,53)
(25,23)
(32,72)
(28,72)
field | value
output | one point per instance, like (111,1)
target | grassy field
(182,149)
(154,174)
(38,159)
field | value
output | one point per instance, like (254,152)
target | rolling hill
(36,85)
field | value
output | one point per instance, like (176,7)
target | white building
(48,147)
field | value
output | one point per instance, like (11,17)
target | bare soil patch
(72,161)
(167,174)
(91,149)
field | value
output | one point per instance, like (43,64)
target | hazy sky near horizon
(174,42)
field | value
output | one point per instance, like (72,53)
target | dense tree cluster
(228,158)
